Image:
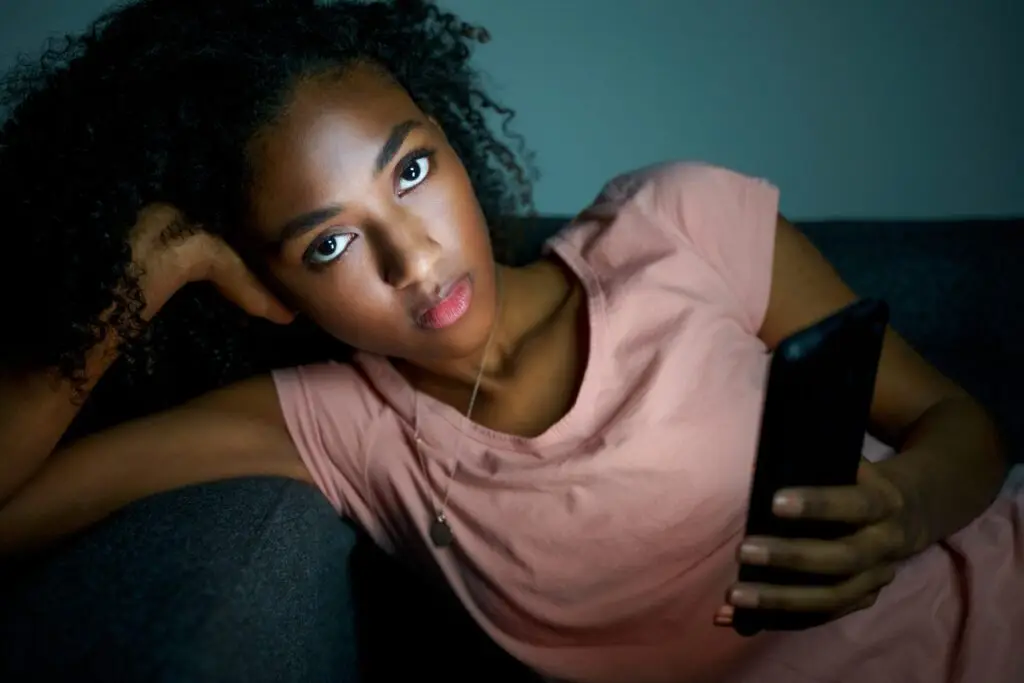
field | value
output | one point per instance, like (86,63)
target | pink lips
(451,308)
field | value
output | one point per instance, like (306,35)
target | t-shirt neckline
(572,429)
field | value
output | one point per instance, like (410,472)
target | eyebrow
(394,143)
(302,224)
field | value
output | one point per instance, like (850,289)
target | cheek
(463,215)
(351,312)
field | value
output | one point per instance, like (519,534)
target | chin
(459,344)
(466,338)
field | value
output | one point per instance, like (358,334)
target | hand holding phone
(805,582)
(823,525)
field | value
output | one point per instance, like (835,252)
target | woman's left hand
(863,562)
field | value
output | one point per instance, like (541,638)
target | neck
(527,298)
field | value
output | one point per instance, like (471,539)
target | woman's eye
(414,173)
(329,248)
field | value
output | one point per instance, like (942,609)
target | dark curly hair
(156,101)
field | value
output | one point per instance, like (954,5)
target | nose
(408,253)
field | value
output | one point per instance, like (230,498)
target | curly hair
(156,101)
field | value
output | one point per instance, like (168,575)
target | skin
(359,240)
(949,467)
(363,212)
(412,224)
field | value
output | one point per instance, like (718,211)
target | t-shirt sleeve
(331,422)
(728,219)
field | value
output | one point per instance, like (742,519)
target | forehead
(325,143)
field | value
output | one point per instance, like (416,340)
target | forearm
(36,410)
(85,482)
(949,469)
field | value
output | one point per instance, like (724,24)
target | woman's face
(369,223)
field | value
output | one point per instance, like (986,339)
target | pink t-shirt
(599,551)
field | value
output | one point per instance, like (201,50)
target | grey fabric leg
(243,580)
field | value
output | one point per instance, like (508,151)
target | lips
(449,309)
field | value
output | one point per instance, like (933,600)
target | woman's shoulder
(703,228)
(707,207)
(328,392)
(668,182)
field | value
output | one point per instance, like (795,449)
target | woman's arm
(36,409)
(44,494)
(233,432)
(950,463)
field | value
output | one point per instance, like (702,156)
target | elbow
(991,440)
(974,433)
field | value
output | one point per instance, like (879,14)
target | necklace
(440,529)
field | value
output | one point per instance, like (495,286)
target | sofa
(257,580)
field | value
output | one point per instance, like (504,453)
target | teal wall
(866,108)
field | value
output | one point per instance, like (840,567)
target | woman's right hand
(168,257)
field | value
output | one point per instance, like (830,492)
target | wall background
(866,109)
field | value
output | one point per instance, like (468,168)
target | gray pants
(249,580)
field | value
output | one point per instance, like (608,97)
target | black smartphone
(817,404)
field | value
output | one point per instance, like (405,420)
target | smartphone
(817,404)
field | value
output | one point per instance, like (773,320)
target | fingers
(848,556)
(226,271)
(170,253)
(156,220)
(846,596)
(245,291)
(860,562)
(724,615)
(860,505)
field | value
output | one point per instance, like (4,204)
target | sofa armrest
(240,580)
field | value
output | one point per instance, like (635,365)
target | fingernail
(742,596)
(722,621)
(787,504)
(753,553)
(282,316)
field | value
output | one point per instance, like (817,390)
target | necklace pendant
(441,532)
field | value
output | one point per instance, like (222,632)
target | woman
(567,444)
